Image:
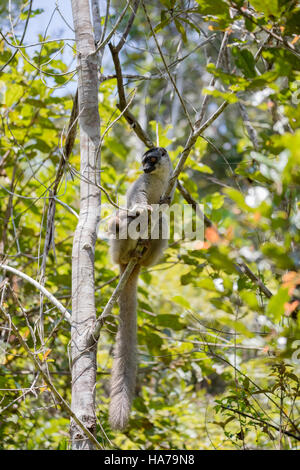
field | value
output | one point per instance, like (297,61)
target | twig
(167,69)
(193,203)
(97,185)
(285,44)
(35,66)
(68,147)
(109,36)
(188,147)
(49,237)
(128,27)
(143,136)
(262,421)
(113,299)
(250,129)
(41,288)
(48,381)
(158,75)
(108,282)
(213,79)
(22,38)
(242,267)
(117,118)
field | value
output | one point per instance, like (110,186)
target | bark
(83,351)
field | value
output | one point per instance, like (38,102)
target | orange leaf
(212,235)
(290,281)
(295,39)
(289,276)
(46,354)
(257,216)
(289,307)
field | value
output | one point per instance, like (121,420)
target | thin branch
(250,129)
(35,66)
(190,200)
(113,299)
(21,40)
(188,147)
(128,27)
(49,237)
(143,136)
(48,381)
(213,79)
(69,144)
(167,69)
(262,421)
(105,21)
(97,185)
(159,75)
(41,288)
(109,36)
(285,44)
(242,267)
(117,118)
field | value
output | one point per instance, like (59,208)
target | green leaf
(181,30)
(212,7)
(169,321)
(268,7)
(244,61)
(230,97)
(13,94)
(237,197)
(278,254)
(250,298)
(276,304)
(178,299)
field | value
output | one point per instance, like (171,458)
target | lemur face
(153,159)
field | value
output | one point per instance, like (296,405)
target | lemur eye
(153,159)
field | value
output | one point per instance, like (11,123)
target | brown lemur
(145,191)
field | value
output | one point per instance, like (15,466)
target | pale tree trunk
(83,351)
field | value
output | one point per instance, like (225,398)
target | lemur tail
(123,375)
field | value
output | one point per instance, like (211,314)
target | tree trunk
(83,300)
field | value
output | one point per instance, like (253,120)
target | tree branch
(242,267)
(132,121)
(47,380)
(110,35)
(188,147)
(113,299)
(128,27)
(167,69)
(261,421)
(41,288)
(21,40)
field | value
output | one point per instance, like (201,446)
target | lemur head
(156,160)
